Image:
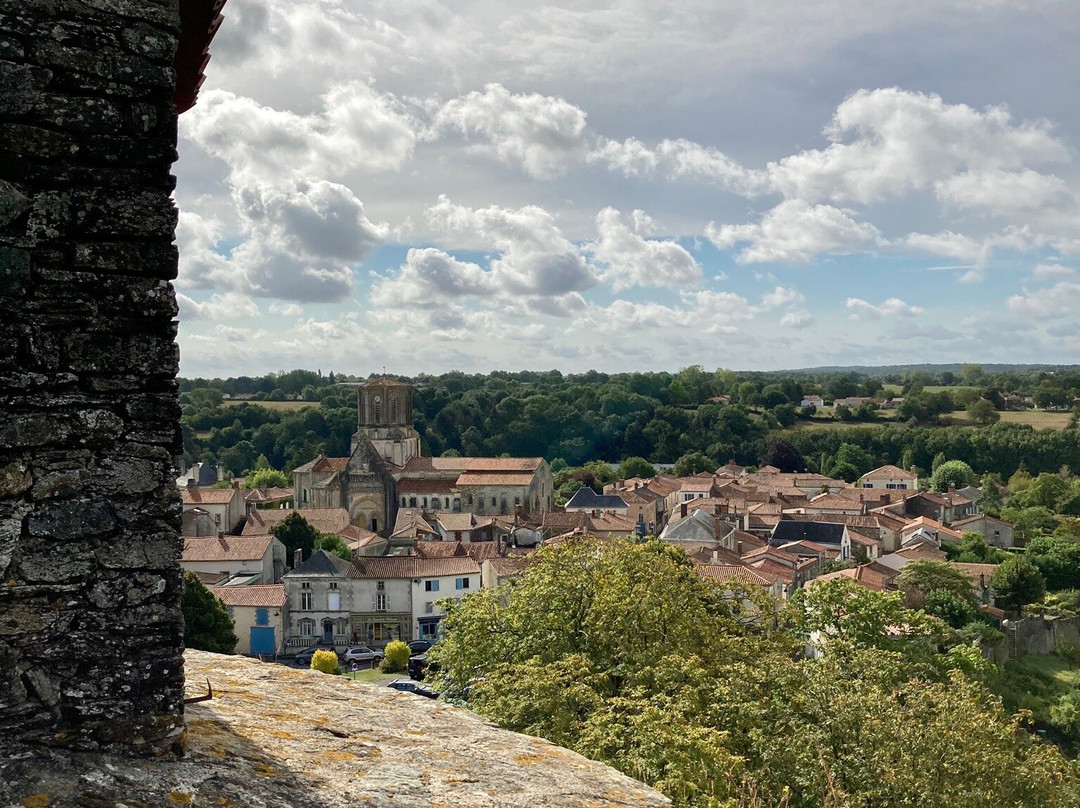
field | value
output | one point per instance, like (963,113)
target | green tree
(692,463)
(955,611)
(333,543)
(951,472)
(296,533)
(207,625)
(1017,582)
(635,467)
(920,578)
(1030,523)
(991,500)
(267,478)
(982,412)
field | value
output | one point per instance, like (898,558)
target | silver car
(362,655)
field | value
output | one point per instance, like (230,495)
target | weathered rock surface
(274,736)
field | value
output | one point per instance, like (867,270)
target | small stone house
(260,615)
(224,508)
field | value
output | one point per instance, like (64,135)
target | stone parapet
(277,736)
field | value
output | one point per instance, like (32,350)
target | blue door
(262,640)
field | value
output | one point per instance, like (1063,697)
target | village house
(891,478)
(499,571)
(320,603)
(585,499)
(244,559)
(260,617)
(208,511)
(324,520)
(995,532)
(812,401)
(828,534)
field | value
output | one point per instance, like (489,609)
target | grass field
(1039,419)
(283,406)
(896,389)
(373,676)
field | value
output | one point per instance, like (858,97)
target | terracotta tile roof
(506,567)
(427,485)
(932,525)
(270,596)
(476,550)
(776,552)
(225,548)
(971,519)
(461,521)
(257,495)
(207,496)
(722,573)
(324,520)
(920,551)
(418,465)
(410,524)
(723,556)
(875,577)
(414,567)
(767,566)
(888,472)
(474,478)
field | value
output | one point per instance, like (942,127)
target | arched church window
(393,410)
(378,409)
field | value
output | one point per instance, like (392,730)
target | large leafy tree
(919,578)
(620,652)
(207,625)
(951,472)
(1016,583)
(296,533)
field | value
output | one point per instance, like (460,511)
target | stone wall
(90,626)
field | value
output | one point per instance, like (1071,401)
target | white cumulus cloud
(629,259)
(892,307)
(796,231)
(541,134)
(1060,300)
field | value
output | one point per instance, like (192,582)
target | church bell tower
(384,416)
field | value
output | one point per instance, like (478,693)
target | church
(385,470)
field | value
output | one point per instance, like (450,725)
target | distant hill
(879,370)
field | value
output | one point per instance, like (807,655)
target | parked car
(363,655)
(409,686)
(420,666)
(420,646)
(303,658)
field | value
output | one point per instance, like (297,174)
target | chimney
(914,471)
(235,484)
(192,484)
(715,557)
(682,510)
(298,557)
(221,540)
(952,488)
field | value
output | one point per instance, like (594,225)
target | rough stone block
(21,86)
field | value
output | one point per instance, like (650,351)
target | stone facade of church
(386,456)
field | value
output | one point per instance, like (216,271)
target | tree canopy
(621,652)
(207,625)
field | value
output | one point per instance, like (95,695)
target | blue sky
(432,186)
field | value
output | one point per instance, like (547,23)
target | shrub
(397,657)
(325,661)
